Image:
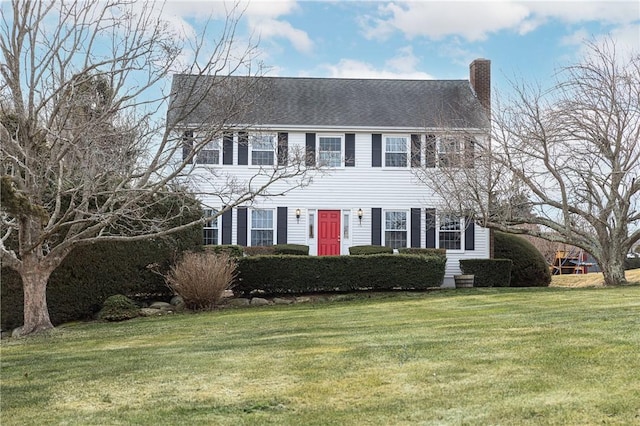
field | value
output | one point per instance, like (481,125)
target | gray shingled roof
(319,102)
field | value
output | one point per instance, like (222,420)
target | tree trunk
(36,313)
(613,271)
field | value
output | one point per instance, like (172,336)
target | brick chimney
(480,79)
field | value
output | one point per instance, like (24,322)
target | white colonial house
(369,135)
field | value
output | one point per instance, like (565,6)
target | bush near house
(202,278)
(231,250)
(423,251)
(488,272)
(292,249)
(365,250)
(90,274)
(530,269)
(288,274)
(119,308)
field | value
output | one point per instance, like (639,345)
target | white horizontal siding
(346,189)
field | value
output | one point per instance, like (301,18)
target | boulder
(162,305)
(259,301)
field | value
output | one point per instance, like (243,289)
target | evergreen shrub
(530,269)
(488,272)
(370,249)
(286,274)
(88,275)
(230,249)
(292,249)
(118,308)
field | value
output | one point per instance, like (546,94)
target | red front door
(329,232)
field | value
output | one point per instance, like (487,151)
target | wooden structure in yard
(571,261)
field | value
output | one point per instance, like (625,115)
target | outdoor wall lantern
(298,215)
(360,213)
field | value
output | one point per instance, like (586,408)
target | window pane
(262,150)
(450,233)
(395,239)
(261,238)
(210,228)
(330,151)
(345,221)
(395,152)
(395,225)
(396,221)
(208,156)
(261,227)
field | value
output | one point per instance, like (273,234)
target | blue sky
(527,41)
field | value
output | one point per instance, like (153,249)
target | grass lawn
(469,356)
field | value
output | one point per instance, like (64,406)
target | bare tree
(86,147)
(565,159)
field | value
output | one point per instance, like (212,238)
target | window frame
(341,137)
(407,226)
(253,228)
(272,150)
(212,225)
(453,158)
(459,231)
(406,152)
(215,144)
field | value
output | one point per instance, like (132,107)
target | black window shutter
(415,151)
(415,228)
(376,226)
(227,148)
(430,218)
(187,144)
(283,149)
(282,225)
(350,150)
(469,152)
(242,226)
(376,150)
(430,151)
(469,234)
(226,227)
(310,151)
(243,149)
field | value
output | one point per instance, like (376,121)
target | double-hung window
(450,232)
(210,153)
(263,150)
(262,227)
(330,151)
(210,228)
(395,229)
(450,152)
(396,150)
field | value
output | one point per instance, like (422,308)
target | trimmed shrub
(365,250)
(230,249)
(202,278)
(259,250)
(118,308)
(292,249)
(423,251)
(529,269)
(488,272)
(306,274)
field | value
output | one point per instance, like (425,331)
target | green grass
(477,356)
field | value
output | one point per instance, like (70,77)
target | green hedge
(423,251)
(304,274)
(78,288)
(488,272)
(230,249)
(364,250)
(530,269)
(292,249)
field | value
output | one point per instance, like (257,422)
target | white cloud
(350,68)
(271,28)
(474,21)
